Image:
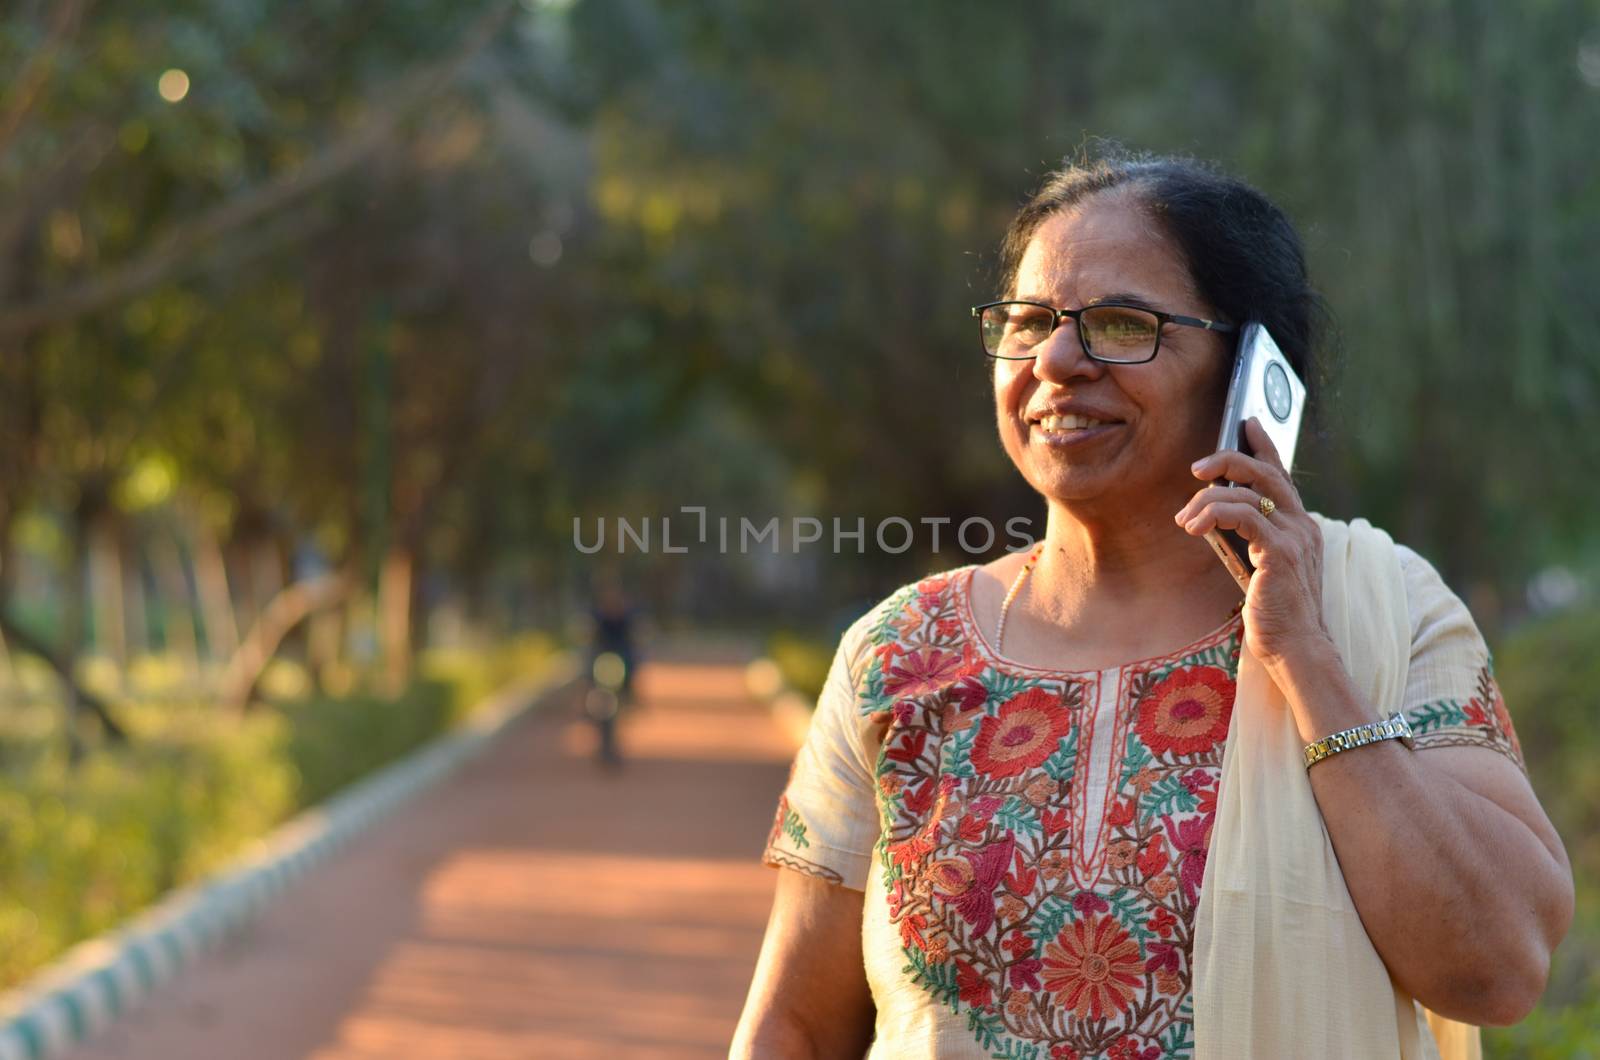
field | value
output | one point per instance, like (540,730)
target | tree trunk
(285,611)
(216,601)
(394,617)
(178,633)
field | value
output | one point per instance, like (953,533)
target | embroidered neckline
(961,585)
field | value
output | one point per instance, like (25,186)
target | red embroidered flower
(1190,839)
(1024,733)
(952,877)
(975,989)
(1502,717)
(1162,922)
(1018,944)
(1127,1048)
(920,672)
(1093,967)
(1064,1052)
(1187,713)
(1154,858)
(1121,813)
(968,882)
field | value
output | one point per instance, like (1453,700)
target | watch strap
(1394,727)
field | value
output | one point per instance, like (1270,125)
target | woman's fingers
(1230,515)
(1266,476)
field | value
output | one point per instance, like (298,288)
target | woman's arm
(809,997)
(1459,877)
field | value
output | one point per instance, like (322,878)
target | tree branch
(36,646)
(29,83)
(178,246)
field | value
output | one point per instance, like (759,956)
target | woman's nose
(1061,356)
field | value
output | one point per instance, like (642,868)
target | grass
(84,847)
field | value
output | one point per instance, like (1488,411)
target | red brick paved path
(531,906)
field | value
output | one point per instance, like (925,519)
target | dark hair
(1244,255)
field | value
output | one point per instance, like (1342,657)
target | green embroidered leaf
(988,1027)
(1016,1049)
(958,756)
(1177,1041)
(1168,795)
(939,979)
(1003,686)
(1020,817)
(1439,714)
(1059,765)
(1129,914)
(1136,757)
(1054,913)
(873,699)
(795,829)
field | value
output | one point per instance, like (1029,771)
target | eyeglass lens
(1112,333)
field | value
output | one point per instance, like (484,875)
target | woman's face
(1159,416)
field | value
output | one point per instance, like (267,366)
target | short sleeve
(1452,698)
(827,817)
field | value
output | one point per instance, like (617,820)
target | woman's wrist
(1313,678)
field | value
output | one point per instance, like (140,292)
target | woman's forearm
(1460,897)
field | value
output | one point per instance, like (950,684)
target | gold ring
(1266,506)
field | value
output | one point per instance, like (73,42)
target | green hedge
(1550,674)
(83,848)
(803,661)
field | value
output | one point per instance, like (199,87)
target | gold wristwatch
(1394,728)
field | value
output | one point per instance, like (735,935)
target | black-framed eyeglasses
(1111,332)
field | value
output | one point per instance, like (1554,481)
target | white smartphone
(1265,386)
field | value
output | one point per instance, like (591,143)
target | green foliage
(1549,671)
(82,848)
(803,661)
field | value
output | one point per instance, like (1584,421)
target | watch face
(1279,398)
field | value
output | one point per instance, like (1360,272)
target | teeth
(1069,423)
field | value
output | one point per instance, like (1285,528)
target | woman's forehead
(1090,252)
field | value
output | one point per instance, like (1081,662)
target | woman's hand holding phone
(1283,598)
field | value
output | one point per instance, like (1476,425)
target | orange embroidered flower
(1119,855)
(952,877)
(1162,885)
(1187,713)
(939,949)
(1012,908)
(1169,982)
(1054,865)
(1144,778)
(1093,967)
(1018,1002)
(1024,733)
(1040,790)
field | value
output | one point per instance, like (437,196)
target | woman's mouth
(1071,430)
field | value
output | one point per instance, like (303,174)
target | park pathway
(531,906)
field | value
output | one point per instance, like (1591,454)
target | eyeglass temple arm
(1197,322)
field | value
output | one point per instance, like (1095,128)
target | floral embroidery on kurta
(1007,909)
(1481,720)
(1043,926)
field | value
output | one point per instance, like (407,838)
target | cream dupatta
(1282,965)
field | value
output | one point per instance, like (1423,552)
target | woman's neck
(1093,571)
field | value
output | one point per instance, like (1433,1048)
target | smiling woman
(1058,804)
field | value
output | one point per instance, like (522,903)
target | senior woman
(1057,805)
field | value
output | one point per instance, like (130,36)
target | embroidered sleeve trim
(783,859)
